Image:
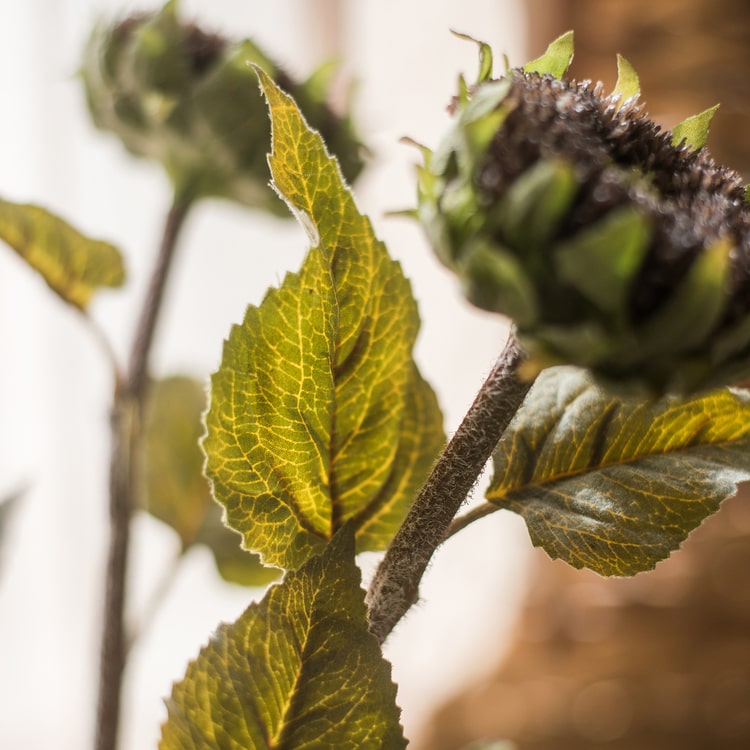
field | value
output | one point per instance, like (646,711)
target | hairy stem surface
(124,483)
(395,586)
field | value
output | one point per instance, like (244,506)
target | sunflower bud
(190,100)
(613,245)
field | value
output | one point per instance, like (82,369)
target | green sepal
(530,212)
(689,315)
(495,280)
(628,85)
(556,60)
(601,260)
(485,57)
(731,342)
(694,130)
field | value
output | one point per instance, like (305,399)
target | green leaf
(73,265)
(494,279)
(420,441)
(235,564)
(556,60)
(314,393)
(628,85)
(297,670)
(616,485)
(694,130)
(177,493)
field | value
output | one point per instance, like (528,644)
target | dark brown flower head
(612,243)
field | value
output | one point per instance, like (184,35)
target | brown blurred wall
(689,54)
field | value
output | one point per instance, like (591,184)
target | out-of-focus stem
(124,484)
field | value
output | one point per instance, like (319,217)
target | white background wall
(54,389)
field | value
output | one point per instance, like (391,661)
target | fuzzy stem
(124,484)
(395,586)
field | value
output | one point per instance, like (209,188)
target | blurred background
(487,596)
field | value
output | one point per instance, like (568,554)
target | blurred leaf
(73,265)
(188,98)
(556,60)
(602,259)
(616,485)
(297,670)
(235,565)
(694,130)
(317,387)
(177,493)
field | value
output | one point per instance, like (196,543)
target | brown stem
(124,484)
(395,586)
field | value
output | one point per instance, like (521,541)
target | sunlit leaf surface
(314,409)
(297,670)
(617,485)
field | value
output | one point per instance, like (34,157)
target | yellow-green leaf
(235,564)
(557,58)
(316,388)
(694,130)
(616,485)
(177,493)
(73,265)
(297,670)
(421,440)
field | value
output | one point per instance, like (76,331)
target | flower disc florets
(612,244)
(189,99)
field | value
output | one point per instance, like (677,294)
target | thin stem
(395,586)
(461,522)
(124,483)
(141,349)
(103,342)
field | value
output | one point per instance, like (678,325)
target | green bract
(189,99)
(612,244)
